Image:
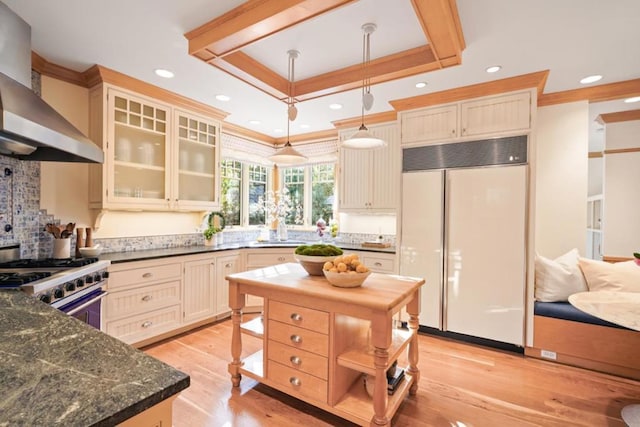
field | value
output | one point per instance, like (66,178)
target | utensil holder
(61,248)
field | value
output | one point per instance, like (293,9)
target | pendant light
(287,154)
(363,139)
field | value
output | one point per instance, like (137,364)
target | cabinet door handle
(281,258)
(147,324)
(297,339)
(377,264)
(146,298)
(295,381)
(296,317)
(147,275)
(228,265)
(295,360)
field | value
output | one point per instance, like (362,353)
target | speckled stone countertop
(56,370)
(116,257)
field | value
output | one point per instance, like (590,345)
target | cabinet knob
(296,317)
(147,324)
(295,360)
(147,275)
(453,131)
(146,298)
(377,264)
(297,339)
(295,381)
(228,265)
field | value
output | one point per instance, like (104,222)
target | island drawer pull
(296,339)
(147,298)
(377,264)
(147,324)
(281,258)
(295,360)
(147,275)
(295,381)
(296,317)
(228,265)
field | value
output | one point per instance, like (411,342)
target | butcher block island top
(319,340)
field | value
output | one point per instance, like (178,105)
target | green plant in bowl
(312,257)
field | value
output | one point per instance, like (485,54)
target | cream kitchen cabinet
(469,119)
(369,179)
(144,299)
(157,157)
(228,263)
(199,296)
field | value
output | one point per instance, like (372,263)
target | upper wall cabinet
(157,157)
(481,117)
(370,179)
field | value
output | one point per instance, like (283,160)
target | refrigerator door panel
(486,218)
(421,239)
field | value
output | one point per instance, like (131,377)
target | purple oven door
(86,309)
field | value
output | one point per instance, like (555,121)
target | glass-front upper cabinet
(140,148)
(197,158)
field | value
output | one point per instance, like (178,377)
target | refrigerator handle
(444,253)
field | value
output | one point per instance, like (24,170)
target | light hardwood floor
(462,385)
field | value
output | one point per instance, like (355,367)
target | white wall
(561,178)
(596,176)
(620,222)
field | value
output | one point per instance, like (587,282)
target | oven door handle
(87,304)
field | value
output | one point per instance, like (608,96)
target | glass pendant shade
(287,155)
(363,140)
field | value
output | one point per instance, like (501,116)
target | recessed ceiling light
(335,106)
(304,126)
(590,79)
(494,69)
(254,122)
(633,99)
(223,97)
(164,73)
(420,85)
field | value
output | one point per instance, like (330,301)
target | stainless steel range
(75,286)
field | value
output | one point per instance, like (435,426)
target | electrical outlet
(548,354)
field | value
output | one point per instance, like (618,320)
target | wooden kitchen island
(318,340)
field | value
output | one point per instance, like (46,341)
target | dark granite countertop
(56,370)
(129,256)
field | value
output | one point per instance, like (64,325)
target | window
(313,188)
(242,185)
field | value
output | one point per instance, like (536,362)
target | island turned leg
(381,331)
(413,309)
(236,336)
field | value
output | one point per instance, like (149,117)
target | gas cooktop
(15,280)
(48,263)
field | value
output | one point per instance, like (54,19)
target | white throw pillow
(557,279)
(606,276)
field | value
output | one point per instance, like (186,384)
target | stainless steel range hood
(30,129)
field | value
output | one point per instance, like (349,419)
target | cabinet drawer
(295,382)
(267,259)
(147,325)
(297,359)
(303,317)
(379,264)
(298,337)
(142,300)
(143,275)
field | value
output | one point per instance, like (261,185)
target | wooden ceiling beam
(253,21)
(440,22)
(600,93)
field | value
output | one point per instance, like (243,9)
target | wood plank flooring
(462,385)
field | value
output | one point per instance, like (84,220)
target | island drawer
(142,300)
(295,382)
(143,275)
(303,317)
(296,337)
(299,360)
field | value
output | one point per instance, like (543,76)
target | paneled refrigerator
(463,228)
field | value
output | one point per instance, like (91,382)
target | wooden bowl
(346,280)
(313,264)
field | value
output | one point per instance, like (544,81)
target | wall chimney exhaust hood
(30,129)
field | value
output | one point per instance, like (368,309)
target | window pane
(231,190)
(257,190)
(294,182)
(322,192)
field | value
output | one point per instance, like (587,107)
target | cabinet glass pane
(161,115)
(120,103)
(134,107)
(148,111)
(197,161)
(120,116)
(134,120)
